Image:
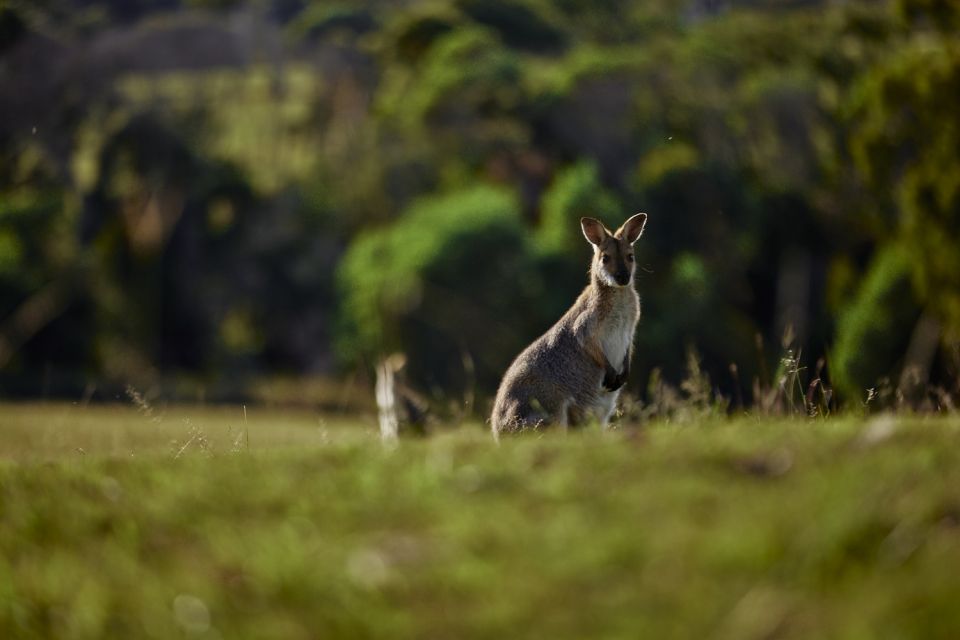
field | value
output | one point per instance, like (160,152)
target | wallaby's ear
(593,230)
(632,229)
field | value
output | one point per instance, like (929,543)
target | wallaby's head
(613,260)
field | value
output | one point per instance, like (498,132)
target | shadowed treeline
(198,195)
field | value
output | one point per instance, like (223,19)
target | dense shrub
(200,166)
(455,277)
(575,192)
(874,330)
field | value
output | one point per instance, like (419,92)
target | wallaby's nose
(622,278)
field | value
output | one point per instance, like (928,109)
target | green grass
(845,528)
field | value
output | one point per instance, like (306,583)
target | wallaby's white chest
(616,332)
(615,345)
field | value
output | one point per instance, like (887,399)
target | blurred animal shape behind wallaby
(574,371)
(400,408)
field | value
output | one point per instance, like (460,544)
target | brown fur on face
(613,260)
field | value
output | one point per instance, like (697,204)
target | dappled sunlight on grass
(745,529)
(44,431)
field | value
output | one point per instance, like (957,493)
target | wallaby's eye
(604,258)
(629,257)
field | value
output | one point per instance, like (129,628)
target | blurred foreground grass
(115,523)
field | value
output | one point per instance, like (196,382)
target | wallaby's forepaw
(613,381)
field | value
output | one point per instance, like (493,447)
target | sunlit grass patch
(841,528)
(46,431)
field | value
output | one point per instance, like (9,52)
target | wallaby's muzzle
(622,278)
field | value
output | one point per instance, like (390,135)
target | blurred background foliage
(198,194)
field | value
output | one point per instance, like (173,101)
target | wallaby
(575,370)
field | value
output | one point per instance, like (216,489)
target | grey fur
(565,376)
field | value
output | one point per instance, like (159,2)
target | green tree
(454,274)
(904,142)
(873,331)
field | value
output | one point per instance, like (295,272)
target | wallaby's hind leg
(532,415)
(517,416)
(570,415)
(575,415)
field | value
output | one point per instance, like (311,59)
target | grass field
(202,522)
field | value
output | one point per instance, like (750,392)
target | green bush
(575,192)
(906,153)
(453,277)
(520,25)
(873,331)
